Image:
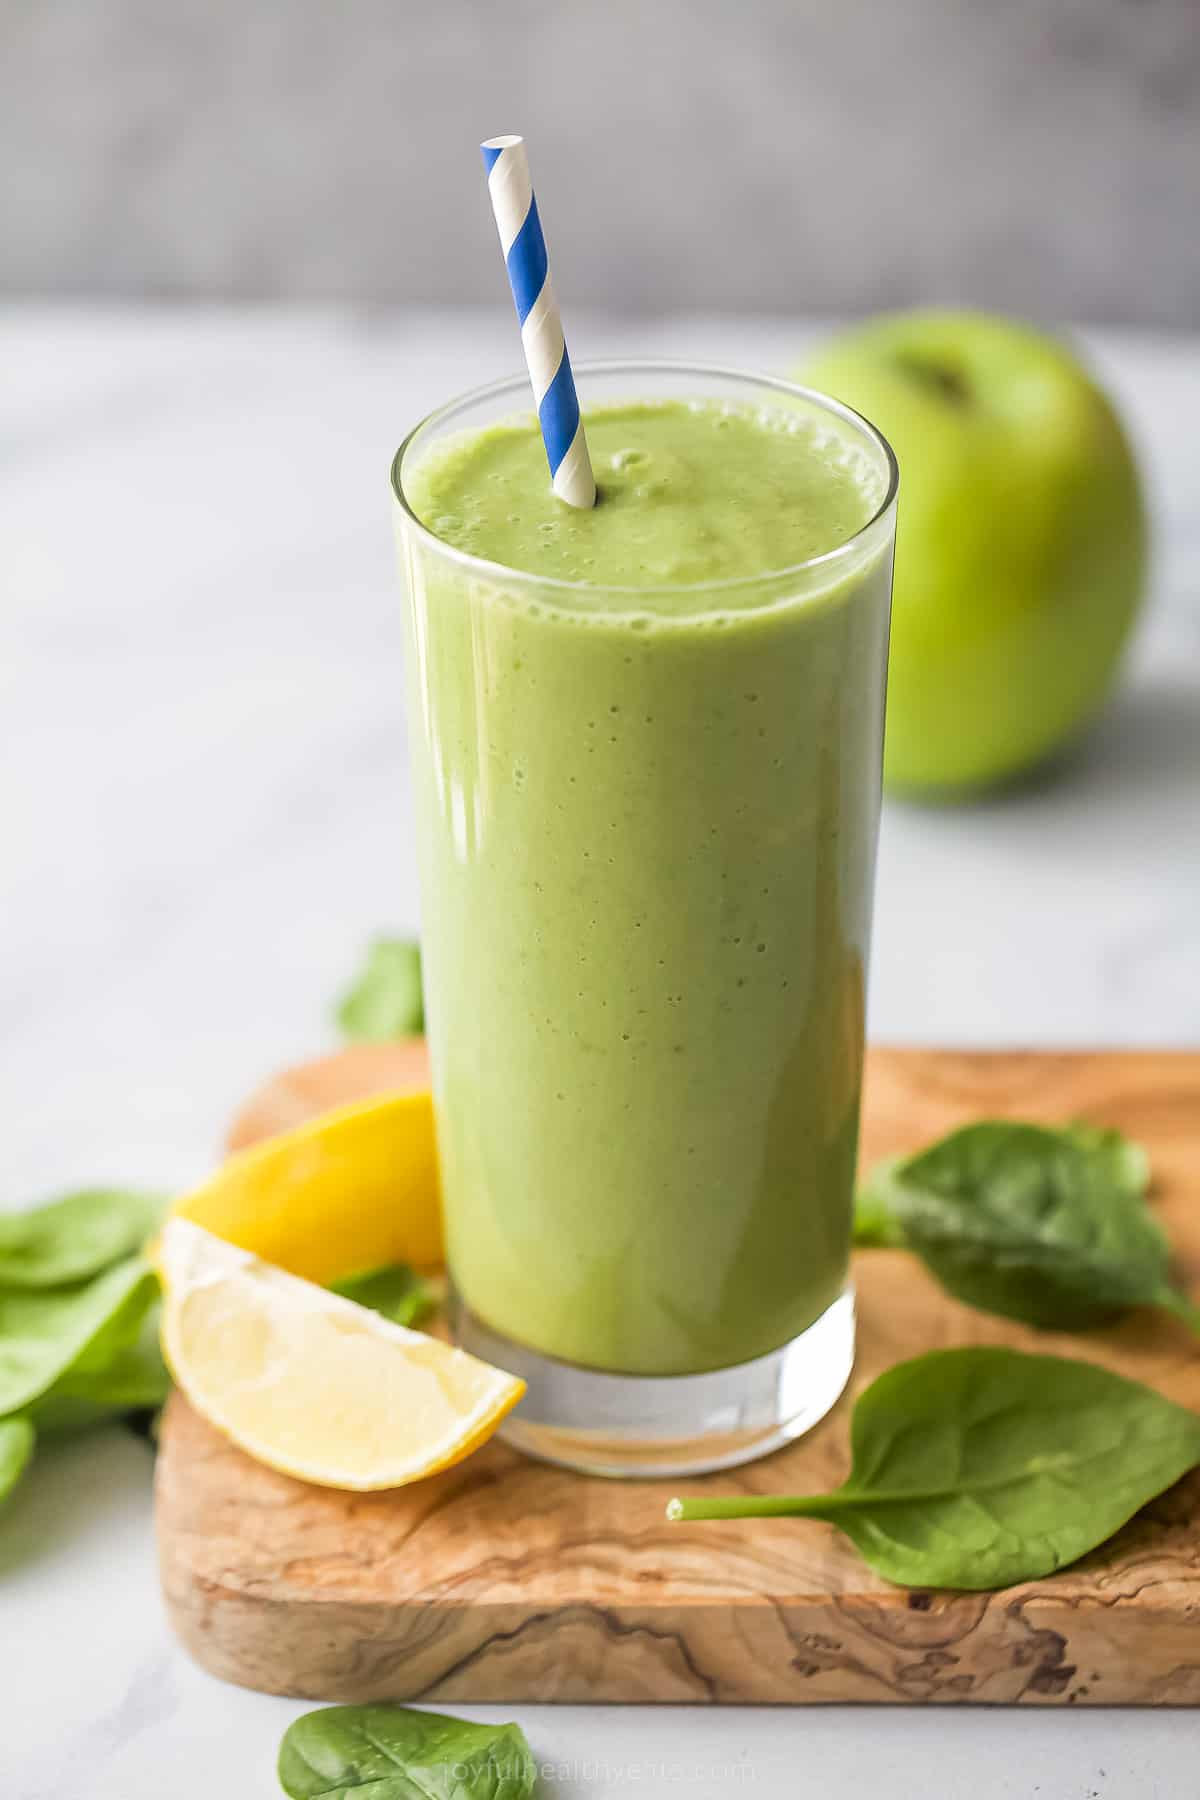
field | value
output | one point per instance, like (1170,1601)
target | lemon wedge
(312,1384)
(348,1191)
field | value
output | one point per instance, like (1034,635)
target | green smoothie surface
(688,492)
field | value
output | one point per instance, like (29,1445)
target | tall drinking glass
(647,822)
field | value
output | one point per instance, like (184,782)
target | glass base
(623,1425)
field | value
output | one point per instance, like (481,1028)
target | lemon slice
(346,1192)
(310,1383)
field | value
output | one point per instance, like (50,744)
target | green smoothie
(646,767)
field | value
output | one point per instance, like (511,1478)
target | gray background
(783,155)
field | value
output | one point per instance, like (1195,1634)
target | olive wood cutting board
(505,1580)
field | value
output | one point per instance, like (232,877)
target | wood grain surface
(503,1580)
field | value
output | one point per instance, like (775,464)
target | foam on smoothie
(688,493)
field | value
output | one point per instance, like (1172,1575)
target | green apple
(1021,550)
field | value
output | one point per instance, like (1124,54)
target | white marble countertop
(205,815)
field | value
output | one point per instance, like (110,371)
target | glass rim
(503,573)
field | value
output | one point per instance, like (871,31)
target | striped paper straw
(546,356)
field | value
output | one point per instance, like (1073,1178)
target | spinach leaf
(135,1380)
(398,1753)
(74,1237)
(978,1468)
(77,1330)
(396,1291)
(876,1226)
(16,1448)
(1046,1226)
(386,1001)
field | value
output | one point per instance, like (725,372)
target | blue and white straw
(546,356)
